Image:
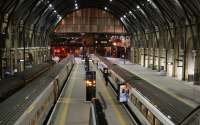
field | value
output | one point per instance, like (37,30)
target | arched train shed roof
(136,15)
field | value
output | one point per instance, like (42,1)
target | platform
(182,90)
(72,109)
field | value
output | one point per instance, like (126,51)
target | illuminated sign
(104,42)
(123,93)
(90,79)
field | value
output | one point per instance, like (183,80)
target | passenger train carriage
(151,105)
(31,104)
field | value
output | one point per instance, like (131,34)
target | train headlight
(88,83)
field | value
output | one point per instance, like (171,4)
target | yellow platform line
(113,105)
(115,109)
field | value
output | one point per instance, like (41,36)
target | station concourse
(99,62)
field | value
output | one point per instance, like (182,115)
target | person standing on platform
(105,74)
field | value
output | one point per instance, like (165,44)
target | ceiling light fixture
(50,5)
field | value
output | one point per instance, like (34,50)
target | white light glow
(105,8)
(76,7)
(110,0)
(50,5)
(124,16)
(55,11)
(138,6)
(59,17)
(76,4)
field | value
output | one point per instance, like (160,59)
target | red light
(54,50)
(57,50)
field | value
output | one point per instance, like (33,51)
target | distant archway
(90,20)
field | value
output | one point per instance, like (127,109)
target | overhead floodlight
(124,16)
(121,18)
(106,8)
(110,0)
(148,0)
(76,4)
(76,7)
(130,12)
(50,5)
(55,11)
(138,6)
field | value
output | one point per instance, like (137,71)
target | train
(138,104)
(34,102)
(14,83)
(147,112)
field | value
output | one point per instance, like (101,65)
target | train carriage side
(147,112)
(36,113)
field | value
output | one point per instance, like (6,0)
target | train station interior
(99,62)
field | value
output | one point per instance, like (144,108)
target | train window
(144,110)
(38,114)
(157,122)
(42,108)
(32,122)
(133,99)
(150,117)
(45,104)
(139,104)
(117,81)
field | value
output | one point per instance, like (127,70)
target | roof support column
(3,25)
(175,58)
(185,58)
(197,67)
(155,44)
(22,42)
(1,46)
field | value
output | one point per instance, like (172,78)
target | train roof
(17,104)
(167,104)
